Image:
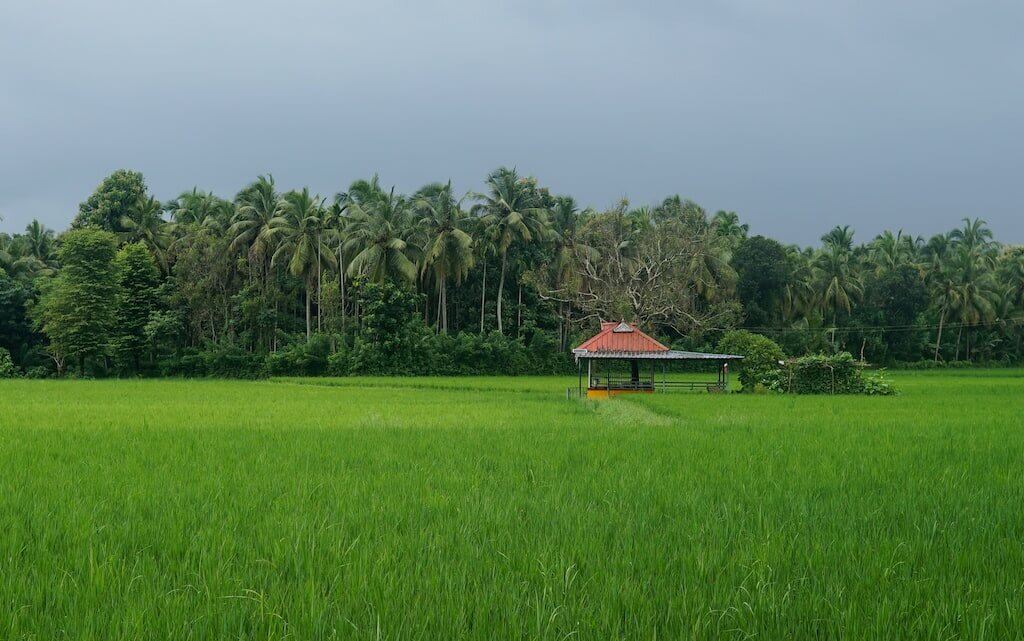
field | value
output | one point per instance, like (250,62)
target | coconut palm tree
(945,296)
(889,251)
(148,227)
(840,238)
(838,285)
(1011,273)
(974,235)
(727,225)
(38,241)
(571,252)
(799,295)
(973,262)
(512,214)
(299,232)
(198,210)
(252,228)
(379,237)
(17,261)
(448,251)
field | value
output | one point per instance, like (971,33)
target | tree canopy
(510,276)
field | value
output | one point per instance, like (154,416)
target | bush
(761,356)
(215,361)
(339,363)
(304,358)
(836,374)
(39,371)
(7,366)
(878,384)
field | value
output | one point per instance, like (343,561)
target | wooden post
(579,369)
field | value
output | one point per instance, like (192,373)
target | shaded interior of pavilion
(608,373)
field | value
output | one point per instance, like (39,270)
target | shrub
(303,358)
(761,356)
(7,366)
(836,374)
(39,371)
(878,384)
(215,361)
(339,363)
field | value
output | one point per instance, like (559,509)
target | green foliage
(16,333)
(761,357)
(257,271)
(762,271)
(878,384)
(77,308)
(119,198)
(7,367)
(137,279)
(822,374)
(339,363)
(215,361)
(392,338)
(302,358)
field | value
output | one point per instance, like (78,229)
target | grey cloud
(799,115)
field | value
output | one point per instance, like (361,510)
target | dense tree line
(436,281)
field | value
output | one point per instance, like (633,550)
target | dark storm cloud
(798,115)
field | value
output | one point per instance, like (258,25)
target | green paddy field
(491,508)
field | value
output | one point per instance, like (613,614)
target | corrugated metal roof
(667,355)
(619,337)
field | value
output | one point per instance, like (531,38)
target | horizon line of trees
(136,283)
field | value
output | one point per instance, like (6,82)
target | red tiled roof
(621,337)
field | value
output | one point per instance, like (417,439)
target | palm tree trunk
(309,320)
(341,288)
(440,303)
(444,307)
(958,335)
(483,296)
(319,287)
(938,339)
(519,310)
(568,325)
(501,289)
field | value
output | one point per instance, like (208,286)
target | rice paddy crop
(494,508)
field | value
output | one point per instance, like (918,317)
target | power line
(887,328)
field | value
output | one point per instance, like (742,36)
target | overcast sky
(799,115)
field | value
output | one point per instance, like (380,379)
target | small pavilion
(624,342)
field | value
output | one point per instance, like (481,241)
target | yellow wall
(603,393)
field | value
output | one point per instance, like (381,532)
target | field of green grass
(494,508)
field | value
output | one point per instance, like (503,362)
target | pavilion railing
(611,383)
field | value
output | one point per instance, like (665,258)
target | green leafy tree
(897,298)
(118,198)
(761,357)
(762,269)
(138,279)
(16,333)
(77,309)
(7,366)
